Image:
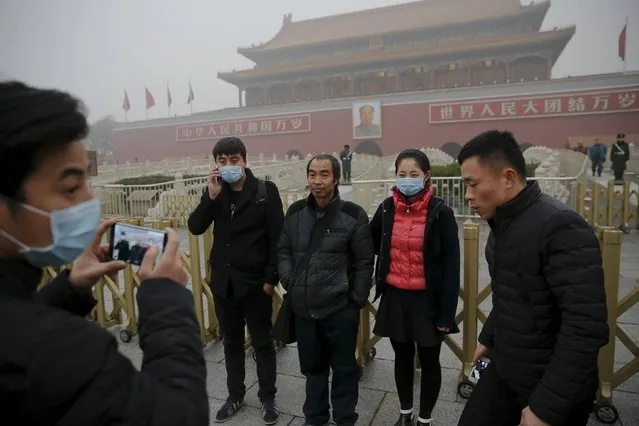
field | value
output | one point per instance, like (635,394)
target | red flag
(191,94)
(126,105)
(169,100)
(150,101)
(622,42)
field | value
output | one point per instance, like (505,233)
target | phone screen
(129,243)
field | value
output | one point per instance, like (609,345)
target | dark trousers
(431,381)
(618,173)
(326,344)
(493,403)
(254,311)
(597,167)
(346,171)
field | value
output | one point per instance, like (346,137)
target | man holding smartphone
(57,368)
(247,215)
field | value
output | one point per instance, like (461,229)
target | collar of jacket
(245,195)
(517,205)
(18,278)
(332,205)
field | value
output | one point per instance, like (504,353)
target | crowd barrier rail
(116,306)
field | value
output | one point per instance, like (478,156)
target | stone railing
(177,199)
(370,193)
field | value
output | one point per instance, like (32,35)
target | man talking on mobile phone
(57,368)
(247,216)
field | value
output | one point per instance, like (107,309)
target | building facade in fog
(419,74)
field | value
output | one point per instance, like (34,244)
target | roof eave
(255,52)
(238,78)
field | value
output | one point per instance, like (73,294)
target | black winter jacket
(244,243)
(441,257)
(340,271)
(549,316)
(57,368)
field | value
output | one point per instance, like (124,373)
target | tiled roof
(457,47)
(391,19)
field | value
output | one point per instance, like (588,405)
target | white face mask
(73,229)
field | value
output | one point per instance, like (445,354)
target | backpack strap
(262,195)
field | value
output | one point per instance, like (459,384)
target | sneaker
(270,413)
(405,420)
(228,410)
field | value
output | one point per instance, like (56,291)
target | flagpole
(625,43)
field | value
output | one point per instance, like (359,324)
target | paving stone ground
(378,402)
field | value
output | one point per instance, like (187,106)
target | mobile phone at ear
(129,243)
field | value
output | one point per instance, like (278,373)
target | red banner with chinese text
(298,123)
(552,105)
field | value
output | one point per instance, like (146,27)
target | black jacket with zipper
(441,257)
(549,316)
(244,241)
(340,271)
(57,368)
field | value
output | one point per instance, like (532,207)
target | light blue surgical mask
(410,186)
(73,229)
(231,174)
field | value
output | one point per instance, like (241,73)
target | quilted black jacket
(549,316)
(340,271)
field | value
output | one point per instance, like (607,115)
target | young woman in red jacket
(417,272)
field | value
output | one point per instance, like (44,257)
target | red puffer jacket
(406,269)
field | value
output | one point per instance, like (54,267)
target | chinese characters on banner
(535,107)
(300,123)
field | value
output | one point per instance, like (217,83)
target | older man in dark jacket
(549,317)
(325,262)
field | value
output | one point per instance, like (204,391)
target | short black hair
(366,106)
(229,146)
(34,123)
(420,158)
(337,171)
(347,146)
(494,147)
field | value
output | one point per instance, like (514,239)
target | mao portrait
(367,120)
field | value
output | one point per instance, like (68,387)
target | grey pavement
(378,402)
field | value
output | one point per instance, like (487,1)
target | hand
(269,289)
(214,184)
(480,352)
(170,266)
(443,329)
(528,418)
(95,261)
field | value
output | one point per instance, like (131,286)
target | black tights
(405,371)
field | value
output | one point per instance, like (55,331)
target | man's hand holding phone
(169,266)
(214,184)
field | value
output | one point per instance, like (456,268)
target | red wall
(404,126)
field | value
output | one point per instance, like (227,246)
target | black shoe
(270,413)
(228,410)
(405,420)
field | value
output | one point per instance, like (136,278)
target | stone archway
(369,147)
(294,153)
(451,148)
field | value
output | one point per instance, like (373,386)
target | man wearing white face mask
(56,368)
(247,216)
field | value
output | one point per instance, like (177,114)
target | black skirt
(406,316)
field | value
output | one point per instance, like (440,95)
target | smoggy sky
(97,49)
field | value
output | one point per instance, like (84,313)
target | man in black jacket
(325,260)
(247,214)
(549,317)
(619,156)
(57,368)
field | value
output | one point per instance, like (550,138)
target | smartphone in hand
(129,243)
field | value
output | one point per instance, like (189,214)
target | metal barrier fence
(116,306)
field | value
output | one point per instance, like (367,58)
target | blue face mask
(73,229)
(410,186)
(231,174)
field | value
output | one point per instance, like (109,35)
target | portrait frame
(371,131)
